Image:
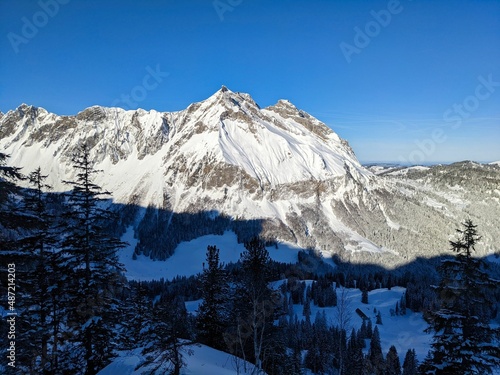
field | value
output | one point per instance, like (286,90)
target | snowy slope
(203,360)
(276,145)
(404,332)
(224,154)
(189,257)
(225,157)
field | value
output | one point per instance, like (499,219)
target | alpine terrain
(227,164)
(228,238)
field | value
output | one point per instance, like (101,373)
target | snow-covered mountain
(227,164)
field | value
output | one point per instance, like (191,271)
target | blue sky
(409,81)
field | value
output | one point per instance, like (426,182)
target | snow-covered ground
(189,257)
(202,361)
(404,332)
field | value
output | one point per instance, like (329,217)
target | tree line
(76,310)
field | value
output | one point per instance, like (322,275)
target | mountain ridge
(226,159)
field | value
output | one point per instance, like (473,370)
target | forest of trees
(75,309)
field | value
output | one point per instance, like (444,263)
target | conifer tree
(354,357)
(369,329)
(255,303)
(306,310)
(410,364)
(364,296)
(464,341)
(402,305)
(393,365)
(92,262)
(10,219)
(212,313)
(136,314)
(42,282)
(375,354)
(168,332)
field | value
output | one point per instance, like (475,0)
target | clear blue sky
(414,87)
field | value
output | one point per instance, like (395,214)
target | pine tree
(136,314)
(410,364)
(10,219)
(168,332)
(43,282)
(92,262)
(393,366)
(379,318)
(375,354)
(255,304)
(464,342)
(306,310)
(402,305)
(369,329)
(364,296)
(212,313)
(354,357)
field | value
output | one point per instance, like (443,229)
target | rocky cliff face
(225,163)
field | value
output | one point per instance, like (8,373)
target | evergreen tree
(168,332)
(402,305)
(42,283)
(369,329)
(375,354)
(364,296)
(212,315)
(393,366)
(10,219)
(319,356)
(92,262)
(464,341)
(136,313)
(306,310)
(410,365)
(354,357)
(254,306)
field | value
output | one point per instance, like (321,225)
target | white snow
(188,257)
(404,332)
(201,360)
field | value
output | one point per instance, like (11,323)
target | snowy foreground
(404,332)
(203,360)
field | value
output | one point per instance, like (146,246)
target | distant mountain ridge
(225,163)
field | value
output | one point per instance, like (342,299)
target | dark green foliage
(323,294)
(11,221)
(393,366)
(168,331)
(410,364)
(42,283)
(464,342)
(254,307)
(375,354)
(354,356)
(364,296)
(212,319)
(91,261)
